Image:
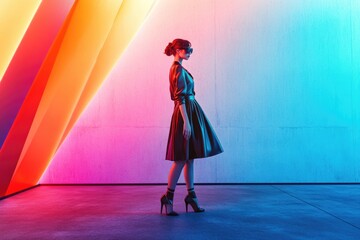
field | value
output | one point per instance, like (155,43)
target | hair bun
(169,50)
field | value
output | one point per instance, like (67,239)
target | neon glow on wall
(52,64)
(279,80)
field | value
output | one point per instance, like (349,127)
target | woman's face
(183,53)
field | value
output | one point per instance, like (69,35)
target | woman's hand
(187,130)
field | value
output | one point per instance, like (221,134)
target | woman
(191,135)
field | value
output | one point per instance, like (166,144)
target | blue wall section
(289,90)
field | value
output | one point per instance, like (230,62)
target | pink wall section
(277,79)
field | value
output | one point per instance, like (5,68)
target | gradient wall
(279,80)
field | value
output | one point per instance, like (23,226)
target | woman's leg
(189,179)
(174,174)
(168,198)
(189,174)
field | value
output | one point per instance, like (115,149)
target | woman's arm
(187,127)
(179,90)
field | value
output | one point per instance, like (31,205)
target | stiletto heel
(168,204)
(192,200)
(161,206)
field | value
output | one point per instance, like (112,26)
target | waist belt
(190,97)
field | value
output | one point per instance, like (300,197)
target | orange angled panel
(87,31)
(28,58)
(25,62)
(91,40)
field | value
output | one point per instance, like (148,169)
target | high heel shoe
(168,204)
(193,203)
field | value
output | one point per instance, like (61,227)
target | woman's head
(179,46)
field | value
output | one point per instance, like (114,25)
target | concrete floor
(232,212)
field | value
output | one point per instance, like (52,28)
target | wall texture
(279,80)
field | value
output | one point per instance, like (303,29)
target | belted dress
(203,141)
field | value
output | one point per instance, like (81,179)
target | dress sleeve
(179,85)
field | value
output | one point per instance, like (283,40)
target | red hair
(176,44)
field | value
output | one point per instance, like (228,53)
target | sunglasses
(188,50)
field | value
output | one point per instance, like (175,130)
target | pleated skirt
(203,141)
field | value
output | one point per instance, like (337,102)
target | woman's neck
(178,59)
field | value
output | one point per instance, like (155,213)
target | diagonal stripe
(130,17)
(13,145)
(87,31)
(27,60)
(15,17)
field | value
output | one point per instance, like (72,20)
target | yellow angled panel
(15,17)
(128,21)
